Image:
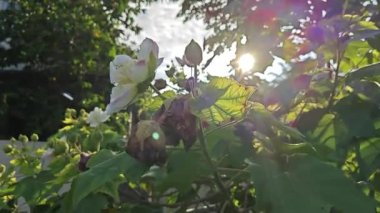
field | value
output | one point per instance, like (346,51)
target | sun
(246,62)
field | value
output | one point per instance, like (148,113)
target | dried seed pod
(147,143)
(178,123)
(82,165)
(160,84)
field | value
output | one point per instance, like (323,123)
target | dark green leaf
(34,189)
(183,169)
(101,174)
(93,203)
(305,184)
(366,72)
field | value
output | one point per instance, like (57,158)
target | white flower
(121,96)
(127,73)
(96,117)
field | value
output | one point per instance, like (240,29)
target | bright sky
(160,23)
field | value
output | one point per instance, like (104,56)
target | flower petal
(121,60)
(96,117)
(147,46)
(119,69)
(121,96)
(139,72)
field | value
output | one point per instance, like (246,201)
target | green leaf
(100,174)
(152,104)
(365,89)
(358,54)
(35,189)
(227,149)
(260,113)
(366,72)
(68,172)
(221,99)
(309,120)
(363,34)
(93,203)
(112,188)
(305,184)
(358,124)
(100,157)
(324,131)
(183,169)
(370,155)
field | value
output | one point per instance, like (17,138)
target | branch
(339,55)
(157,92)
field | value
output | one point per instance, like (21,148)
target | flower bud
(34,137)
(160,84)
(83,113)
(150,129)
(170,72)
(13,140)
(23,138)
(193,53)
(60,147)
(7,148)
(147,143)
(70,113)
(190,83)
(2,168)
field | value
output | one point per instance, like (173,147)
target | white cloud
(160,23)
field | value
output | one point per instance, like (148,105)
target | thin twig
(202,140)
(339,55)
(157,92)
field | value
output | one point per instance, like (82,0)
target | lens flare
(155,136)
(246,62)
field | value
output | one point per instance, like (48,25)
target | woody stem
(202,140)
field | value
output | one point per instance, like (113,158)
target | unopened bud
(7,148)
(160,84)
(23,138)
(13,140)
(150,129)
(2,168)
(82,113)
(34,137)
(170,72)
(193,53)
(190,83)
(60,147)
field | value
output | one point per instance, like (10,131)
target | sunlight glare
(246,62)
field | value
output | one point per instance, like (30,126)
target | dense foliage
(53,47)
(307,142)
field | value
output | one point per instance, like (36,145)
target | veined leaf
(221,99)
(100,174)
